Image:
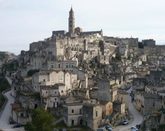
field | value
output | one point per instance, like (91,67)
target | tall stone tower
(71,23)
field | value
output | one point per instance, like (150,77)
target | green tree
(10,66)
(31,72)
(3,86)
(161,127)
(41,121)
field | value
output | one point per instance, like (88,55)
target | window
(22,115)
(80,111)
(48,77)
(72,111)
(72,122)
(61,78)
(104,58)
(96,113)
(62,91)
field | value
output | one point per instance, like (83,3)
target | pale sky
(25,21)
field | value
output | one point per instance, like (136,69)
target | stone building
(107,108)
(92,115)
(119,107)
(67,65)
(73,111)
(19,114)
(152,103)
(106,92)
(149,42)
(50,95)
(51,77)
(149,99)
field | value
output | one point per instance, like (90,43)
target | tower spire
(71,21)
(71,9)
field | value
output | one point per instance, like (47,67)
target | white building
(51,77)
(73,112)
(51,94)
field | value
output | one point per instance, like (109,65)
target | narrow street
(6,113)
(137,117)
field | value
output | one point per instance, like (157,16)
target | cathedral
(75,31)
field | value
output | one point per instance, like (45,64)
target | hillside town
(89,81)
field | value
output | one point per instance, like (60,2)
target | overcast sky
(26,21)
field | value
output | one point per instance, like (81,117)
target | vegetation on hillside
(6,55)
(31,72)
(41,121)
(3,86)
(10,66)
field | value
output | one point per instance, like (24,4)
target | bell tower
(71,22)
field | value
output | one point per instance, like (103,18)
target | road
(6,113)
(137,117)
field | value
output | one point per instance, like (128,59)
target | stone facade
(53,77)
(73,111)
(107,108)
(92,115)
(51,94)
(119,107)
